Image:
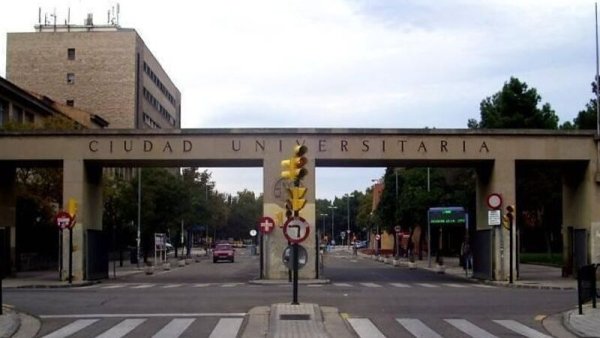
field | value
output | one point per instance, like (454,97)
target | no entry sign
(63,220)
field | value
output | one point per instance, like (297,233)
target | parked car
(223,252)
(360,244)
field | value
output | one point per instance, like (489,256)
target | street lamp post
(206,186)
(332,207)
(348,214)
(323,223)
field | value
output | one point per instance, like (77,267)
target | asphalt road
(210,296)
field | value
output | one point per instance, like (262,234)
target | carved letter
(259,145)
(365,146)
(383,145)
(130,146)
(322,145)
(484,146)
(443,146)
(280,145)
(147,146)
(168,146)
(300,144)
(111,146)
(239,145)
(187,146)
(344,145)
(402,142)
(93,146)
(422,146)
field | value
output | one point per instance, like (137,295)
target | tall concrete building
(103,69)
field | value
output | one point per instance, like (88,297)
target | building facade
(106,70)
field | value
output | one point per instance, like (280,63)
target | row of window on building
(150,122)
(162,110)
(17,114)
(159,84)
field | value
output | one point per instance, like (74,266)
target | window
(71,53)
(17,114)
(3,112)
(70,78)
(29,117)
(70,103)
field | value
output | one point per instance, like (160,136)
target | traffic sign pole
(295,263)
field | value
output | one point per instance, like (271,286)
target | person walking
(467,257)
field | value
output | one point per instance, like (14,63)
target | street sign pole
(70,255)
(295,265)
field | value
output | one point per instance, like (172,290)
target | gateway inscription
(322,146)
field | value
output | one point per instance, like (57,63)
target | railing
(586,285)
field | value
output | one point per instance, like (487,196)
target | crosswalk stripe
(315,285)
(470,329)
(170,286)
(427,285)
(521,329)
(417,328)
(230,285)
(365,328)
(484,286)
(68,330)
(371,285)
(226,327)
(342,284)
(122,328)
(201,285)
(93,286)
(454,285)
(114,286)
(175,328)
(400,285)
(143,286)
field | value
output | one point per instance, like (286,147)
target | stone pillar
(82,182)
(275,194)
(581,201)
(499,178)
(8,208)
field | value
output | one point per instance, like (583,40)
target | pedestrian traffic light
(72,207)
(510,212)
(288,209)
(297,200)
(292,168)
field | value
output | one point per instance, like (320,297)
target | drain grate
(294,317)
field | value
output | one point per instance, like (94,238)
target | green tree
(586,119)
(515,107)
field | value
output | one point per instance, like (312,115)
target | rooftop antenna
(118,12)
(40,16)
(69,16)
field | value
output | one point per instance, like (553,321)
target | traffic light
(72,207)
(509,218)
(297,200)
(293,168)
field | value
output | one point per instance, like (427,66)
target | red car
(223,252)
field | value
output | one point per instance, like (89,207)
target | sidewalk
(312,320)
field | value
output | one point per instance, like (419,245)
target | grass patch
(543,258)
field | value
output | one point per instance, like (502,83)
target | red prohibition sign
(296,229)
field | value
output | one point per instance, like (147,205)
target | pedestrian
(467,256)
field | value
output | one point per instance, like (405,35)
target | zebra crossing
(412,327)
(167,327)
(372,285)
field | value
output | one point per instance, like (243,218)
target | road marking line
(89,286)
(145,315)
(175,328)
(201,285)
(315,285)
(143,286)
(169,286)
(365,328)
(454,285)
(71,328)
(484,286)
(114,286)
(427,285)
(417,328)
(400,285)
(122,328)
(521,329)
(230,285)
(371,285)
(342,284)
(226,327)
(470,329)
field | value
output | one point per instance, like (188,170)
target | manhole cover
(294,317)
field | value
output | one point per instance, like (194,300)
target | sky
(346,63)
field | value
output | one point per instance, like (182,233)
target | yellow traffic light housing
(297,201)
(292,168)
(72,207)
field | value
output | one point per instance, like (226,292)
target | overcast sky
(347,63)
